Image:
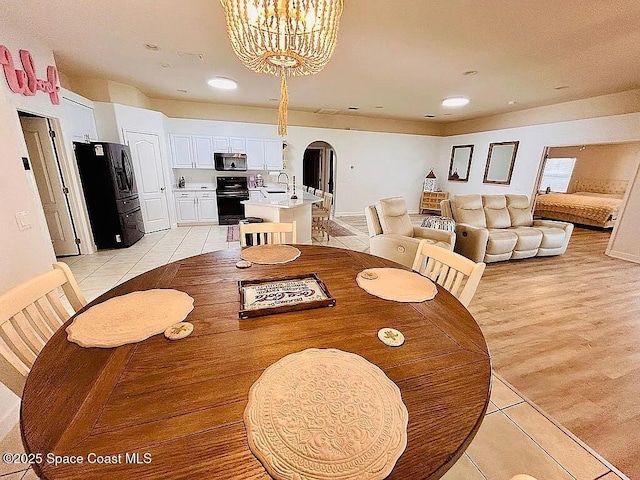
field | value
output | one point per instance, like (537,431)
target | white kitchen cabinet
(255,194)
(273,154)
(186,207)
(203,151)
(196,207)
(221,145)
(181,151)
(78,121)
(238,145)
(255,154)
(206,206)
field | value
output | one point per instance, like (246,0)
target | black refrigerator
(110,191)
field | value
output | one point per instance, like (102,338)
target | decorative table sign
(266,297)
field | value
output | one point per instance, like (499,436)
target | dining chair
(449,269)
(320,215)
(267,233)
(30,313)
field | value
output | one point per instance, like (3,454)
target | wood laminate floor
(565,331)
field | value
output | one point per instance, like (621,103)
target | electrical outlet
(23,221)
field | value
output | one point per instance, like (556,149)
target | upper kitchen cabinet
(79,121)
(273,154)
(181,151)
(203,152)
(238,145)
(221,145)
(255,154)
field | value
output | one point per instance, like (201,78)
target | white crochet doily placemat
(326,414)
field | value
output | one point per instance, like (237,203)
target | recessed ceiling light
(165,65)
(354,108)
(182,90)
(562,87)
(223,83)
(151,46)
(455,102)
(471,72)
(513,102)
(428,115)
(379,106)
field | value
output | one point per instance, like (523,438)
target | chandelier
(283,38)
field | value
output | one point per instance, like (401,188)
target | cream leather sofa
(492,228)
(392,236)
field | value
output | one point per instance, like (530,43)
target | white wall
(624,242)
(29,252)
(370,165)
(611,162)
(533,140)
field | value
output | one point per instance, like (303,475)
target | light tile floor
(514,437)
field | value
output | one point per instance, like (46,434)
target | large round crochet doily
(396,285)
(326,414)
(270,254)
(129,318)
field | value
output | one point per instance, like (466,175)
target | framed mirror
(500,161)
(460,163)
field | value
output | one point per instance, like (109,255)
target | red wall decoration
(25,81)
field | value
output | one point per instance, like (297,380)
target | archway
(319,167)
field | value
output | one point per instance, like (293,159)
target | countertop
(282,200)
(195,187)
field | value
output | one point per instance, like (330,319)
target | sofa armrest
(471,241)
(396,248)
(435,234)
(566,226)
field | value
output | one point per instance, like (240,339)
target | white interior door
(50,187)
(147,165)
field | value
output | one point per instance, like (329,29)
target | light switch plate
(23,221)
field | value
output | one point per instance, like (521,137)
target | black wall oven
(230,191)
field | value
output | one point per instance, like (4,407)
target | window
(557,174)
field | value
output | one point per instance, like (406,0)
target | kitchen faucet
(287,182)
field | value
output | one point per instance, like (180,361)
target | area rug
(324,414)
(233,233)
(336,230)
(396,285)
(129,318)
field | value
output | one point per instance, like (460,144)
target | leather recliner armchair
(493,228)
(392,236)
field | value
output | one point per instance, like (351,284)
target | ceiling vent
(190,56)
(328,111)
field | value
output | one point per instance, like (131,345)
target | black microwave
(227,162)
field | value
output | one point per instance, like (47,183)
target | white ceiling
(403,55)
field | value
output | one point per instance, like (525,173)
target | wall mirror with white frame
(460,165)
(500,162)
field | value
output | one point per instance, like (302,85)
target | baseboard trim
(624,256)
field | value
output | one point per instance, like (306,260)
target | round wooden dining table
(162,409)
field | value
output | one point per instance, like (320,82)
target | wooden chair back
(30,313)
(459,275)
(327,202)
(268,233)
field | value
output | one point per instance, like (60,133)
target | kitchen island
(275,205)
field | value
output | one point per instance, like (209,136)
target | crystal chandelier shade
(283,37)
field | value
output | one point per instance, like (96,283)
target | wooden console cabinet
(431,201)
